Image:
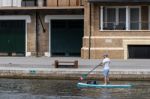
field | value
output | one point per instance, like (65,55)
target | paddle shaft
(92,69)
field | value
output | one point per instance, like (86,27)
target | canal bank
(43,68)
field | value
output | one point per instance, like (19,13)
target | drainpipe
(41,23)
(90,33)
(37,31)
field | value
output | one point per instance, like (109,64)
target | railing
(114,26)
(58,3)
(29,3)
(41,3)
(123,26)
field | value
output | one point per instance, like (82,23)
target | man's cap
(105,55)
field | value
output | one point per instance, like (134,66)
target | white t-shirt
(106,62)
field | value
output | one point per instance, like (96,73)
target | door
(139,51)
(66,37)
(12,36)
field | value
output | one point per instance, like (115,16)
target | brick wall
(111,42)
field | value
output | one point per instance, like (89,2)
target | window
(123,18)
(134,19)
(114,18)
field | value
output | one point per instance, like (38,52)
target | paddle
(85,75)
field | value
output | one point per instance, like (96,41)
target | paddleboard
(85,85)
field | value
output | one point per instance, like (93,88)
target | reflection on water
(64,89)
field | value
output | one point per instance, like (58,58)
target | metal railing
(41,3)
(123,26)
(52,3)
(114,26)
(29,3)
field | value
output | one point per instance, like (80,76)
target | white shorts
(106,72)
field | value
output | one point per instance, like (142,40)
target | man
(105,63)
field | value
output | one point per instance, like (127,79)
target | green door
(66,37)
(139,51)
(12,36)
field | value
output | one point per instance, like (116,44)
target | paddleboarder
(105,63)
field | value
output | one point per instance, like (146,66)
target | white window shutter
(9,3)
(17,3)
(6,3)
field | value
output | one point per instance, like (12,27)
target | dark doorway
(66,37)
(12,37)
(139,51)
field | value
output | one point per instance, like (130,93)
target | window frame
(130,7)
(127,25)
(149,17)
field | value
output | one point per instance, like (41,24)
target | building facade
(41,27)
(117,27)
(85,28)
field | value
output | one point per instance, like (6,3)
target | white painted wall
(40,3)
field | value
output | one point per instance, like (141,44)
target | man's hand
(101,64)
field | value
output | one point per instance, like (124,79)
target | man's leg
(105,80)
(106,76)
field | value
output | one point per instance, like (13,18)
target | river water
(67,89)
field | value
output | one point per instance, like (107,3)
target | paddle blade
(81,78)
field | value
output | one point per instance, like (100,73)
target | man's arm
(101,64)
